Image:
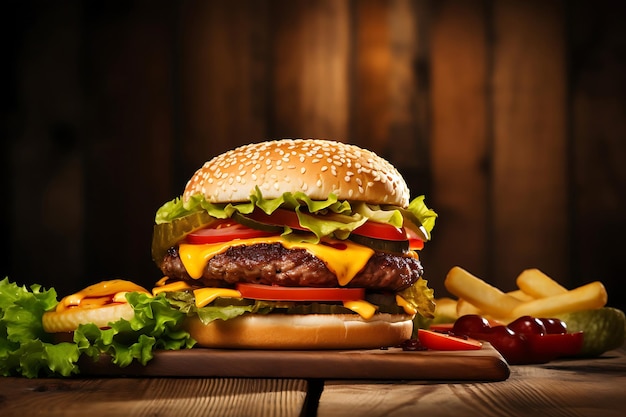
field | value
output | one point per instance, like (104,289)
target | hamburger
(295,244)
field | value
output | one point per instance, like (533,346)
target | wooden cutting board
(485,364)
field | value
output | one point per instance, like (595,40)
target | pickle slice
(166,235)
(381,245)
(254,224)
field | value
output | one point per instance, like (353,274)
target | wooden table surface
(590,387)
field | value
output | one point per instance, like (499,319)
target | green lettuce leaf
(220,309)
(425,216)
(25,349)
(420,297)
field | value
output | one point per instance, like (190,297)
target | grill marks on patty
(272,263)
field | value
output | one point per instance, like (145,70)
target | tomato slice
(280,217)
(415,240)
(441,327)
(224,231)
(279,293)
(380,231)
(444,341)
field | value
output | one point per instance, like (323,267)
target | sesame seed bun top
(315,167)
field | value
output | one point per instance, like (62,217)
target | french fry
(521,295)
(484,296)
(445,307)
(538,285)
(464,307)
(585,297)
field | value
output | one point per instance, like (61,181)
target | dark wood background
(509,115)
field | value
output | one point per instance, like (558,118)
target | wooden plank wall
(508,115)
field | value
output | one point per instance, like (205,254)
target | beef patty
(272,263)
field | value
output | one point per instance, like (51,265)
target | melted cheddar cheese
(100,294)
(205,296)
(362,308)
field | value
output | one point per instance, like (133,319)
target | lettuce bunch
(27,350)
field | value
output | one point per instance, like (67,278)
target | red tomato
(279,217)
(444,341)
(380,231)
(223,232)
(415,241)
(279,293)
(441,327)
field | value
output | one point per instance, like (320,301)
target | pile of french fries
(537,295)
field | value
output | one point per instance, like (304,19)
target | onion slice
(69,319)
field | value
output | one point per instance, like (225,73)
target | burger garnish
(100,304)
(280,231)
(120,319)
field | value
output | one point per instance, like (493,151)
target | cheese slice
(205,296)
(345,259)
(174,286)
(362,308)
(408,309)
(99,294)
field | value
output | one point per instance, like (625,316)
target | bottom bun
(311,331)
